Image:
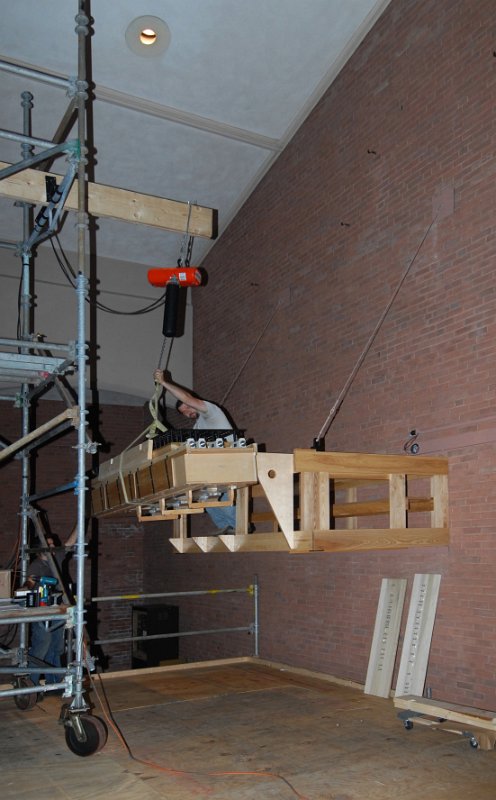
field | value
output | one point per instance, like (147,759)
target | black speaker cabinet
(150,620)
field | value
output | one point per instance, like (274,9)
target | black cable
(66,268)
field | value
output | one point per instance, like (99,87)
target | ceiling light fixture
(148,36)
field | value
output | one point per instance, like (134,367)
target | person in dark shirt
(47,638)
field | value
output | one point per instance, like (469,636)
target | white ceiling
(202,122)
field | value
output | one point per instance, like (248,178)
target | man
(47,638)
(206,416)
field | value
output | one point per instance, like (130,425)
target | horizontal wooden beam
(256,543)
(109,201)
(367,465)
(371,507)
(438,708)
(379,539)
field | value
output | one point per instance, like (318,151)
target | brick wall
(400,148)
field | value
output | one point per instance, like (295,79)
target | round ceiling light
(148,36)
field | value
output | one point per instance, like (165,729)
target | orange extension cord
(112,724)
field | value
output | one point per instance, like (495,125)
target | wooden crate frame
(138,478)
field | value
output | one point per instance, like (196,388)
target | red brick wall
(402,145)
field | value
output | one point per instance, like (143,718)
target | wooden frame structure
(335,492)
(477,723)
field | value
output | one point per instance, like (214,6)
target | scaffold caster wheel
(408,724)
(25,702)
(95,732)
(474,743)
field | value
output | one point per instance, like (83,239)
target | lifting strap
(155,425)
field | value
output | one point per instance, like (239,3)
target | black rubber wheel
(96,736)
(474,743)
(25,702)
(408,724)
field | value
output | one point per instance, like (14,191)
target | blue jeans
(223,516)
(47,644)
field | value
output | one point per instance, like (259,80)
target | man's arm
(72,538)
(179,392)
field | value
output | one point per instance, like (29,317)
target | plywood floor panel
(331,742)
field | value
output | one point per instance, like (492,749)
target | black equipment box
(151,620)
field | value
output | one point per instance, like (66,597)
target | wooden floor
(206,732)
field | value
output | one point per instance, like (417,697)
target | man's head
(186,410)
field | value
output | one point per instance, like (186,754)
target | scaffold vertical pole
(256,611)
(82,30)
(24,332)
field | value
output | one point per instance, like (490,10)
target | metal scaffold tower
(36,365)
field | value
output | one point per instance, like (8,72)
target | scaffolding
(36,365)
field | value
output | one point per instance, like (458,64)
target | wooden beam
(367,508)
(71,414)
(379,539)
(314,501)
(439,489)
(418,634)
(438,708)
(242,510)
(122,204)
(386,636)
(397,501)
(256,543)
(367,465)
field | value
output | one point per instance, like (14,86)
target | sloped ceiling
(201,122)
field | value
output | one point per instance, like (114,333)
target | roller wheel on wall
(96,736)
(25,702)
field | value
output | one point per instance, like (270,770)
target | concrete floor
(206,732)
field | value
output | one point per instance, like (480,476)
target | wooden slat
(256,543)
(379,539)
(397,501)
(367,465)
(71,414)
(369,508)
(439,708)
(121,204)
(242,510)
(127,460)
(351,493)
(418,634)
(301,541)
(439,489)
(385,639)
(314,501)
(214,466)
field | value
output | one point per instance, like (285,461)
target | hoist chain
(185,262)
